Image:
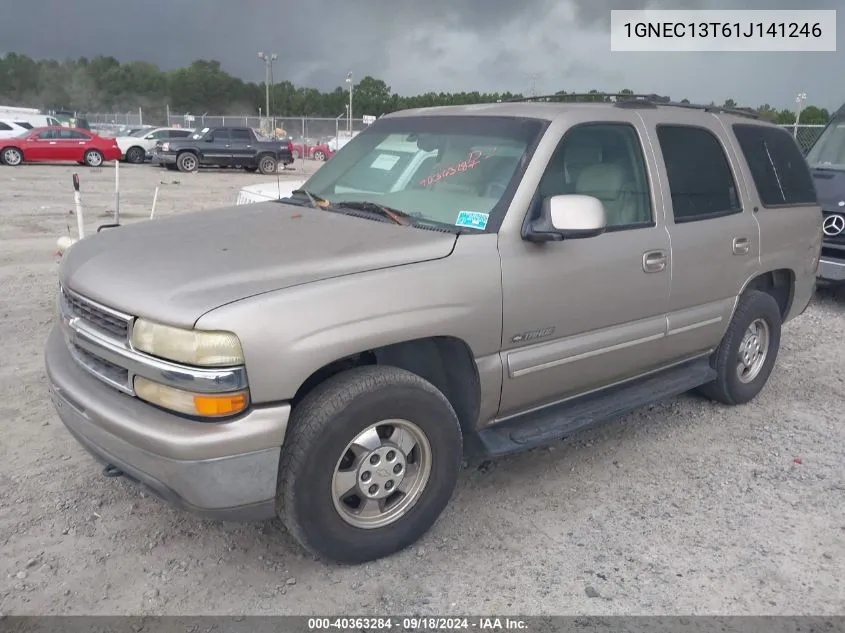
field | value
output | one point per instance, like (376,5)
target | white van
(10,128)
(39,120)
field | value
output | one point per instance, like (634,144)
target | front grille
(101,368)
(95,316)
(836,239)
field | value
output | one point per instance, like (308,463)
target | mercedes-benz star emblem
(833,225)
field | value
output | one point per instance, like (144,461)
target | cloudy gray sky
(422,45)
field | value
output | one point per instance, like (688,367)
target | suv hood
(830,188)
(175,270)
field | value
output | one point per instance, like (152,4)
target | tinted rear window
(5,127)
(777,166)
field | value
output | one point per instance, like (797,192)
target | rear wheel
(93,158)
(12,156)
(187,162)
(370,461)
(746,356)
(320,155)
(267,165)
(135,155)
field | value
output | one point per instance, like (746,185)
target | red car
(307,149)
(56,144)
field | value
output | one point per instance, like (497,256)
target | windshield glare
(455,170)
(829,150)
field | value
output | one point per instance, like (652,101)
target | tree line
(103,84)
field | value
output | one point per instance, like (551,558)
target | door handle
(740,246)
(654,261)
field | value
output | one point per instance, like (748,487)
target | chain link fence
(806,135)
(314,129)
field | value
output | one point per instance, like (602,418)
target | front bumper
(164,158)
(226,470)
(831,270)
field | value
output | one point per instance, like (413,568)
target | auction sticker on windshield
(385,162)
(472,219)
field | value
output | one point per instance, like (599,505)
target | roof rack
(588,97)
(622,100)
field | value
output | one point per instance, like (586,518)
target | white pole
(140,116)
(77,198)
(117,192)
(155,199)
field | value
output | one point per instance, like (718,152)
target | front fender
(289,334)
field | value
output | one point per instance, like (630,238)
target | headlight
(195,404)
(192,347)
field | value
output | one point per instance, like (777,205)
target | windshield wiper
(316,201)
(398,217)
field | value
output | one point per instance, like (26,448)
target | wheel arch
(779,283)
(446,362)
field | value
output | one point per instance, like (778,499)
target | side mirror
(149,137)
(568,217)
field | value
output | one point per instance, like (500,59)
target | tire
(170,167)
(295,154)
(267,165)
(12,156)
(320,155)
(735,383)
(187,161)
(93,158)
(322,427)
(136,155)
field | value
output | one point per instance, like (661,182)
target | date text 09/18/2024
(420,623)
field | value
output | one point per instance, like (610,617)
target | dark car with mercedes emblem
(827,162)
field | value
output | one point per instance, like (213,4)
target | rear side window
(777,166)
(241,135)
(4,127)
(24,125)
(700,179)
(179,133)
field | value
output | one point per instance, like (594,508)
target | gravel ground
(686,507)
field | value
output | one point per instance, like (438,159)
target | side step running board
(539,428)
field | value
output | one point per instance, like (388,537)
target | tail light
(290,146)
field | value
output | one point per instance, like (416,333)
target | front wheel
(93,158)
(320,155)
(370,461)
(12,156)
(746,356)
(135,155)
(187,162)
(268,165)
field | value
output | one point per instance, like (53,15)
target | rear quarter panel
(790,235)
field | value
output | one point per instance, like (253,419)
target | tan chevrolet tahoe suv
(528,269)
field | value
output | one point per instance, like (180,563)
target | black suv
(224,147)
(827,162)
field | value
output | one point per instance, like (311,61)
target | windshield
(141,132)
(455,170)
(829,150)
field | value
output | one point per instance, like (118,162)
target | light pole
(268,70)
(349,81)
(800,98)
